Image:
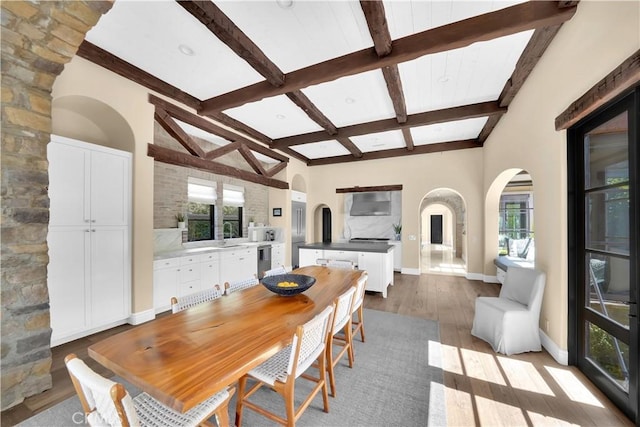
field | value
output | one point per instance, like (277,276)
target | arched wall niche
(90,120)
(298,184)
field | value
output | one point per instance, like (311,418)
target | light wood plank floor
(482,388)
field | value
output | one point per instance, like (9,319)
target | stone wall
(170,186)
(38,38)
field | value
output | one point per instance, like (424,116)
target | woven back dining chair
(191,300)
(341,322)
(107,403)
(281,370)
(275,271)
(239,285)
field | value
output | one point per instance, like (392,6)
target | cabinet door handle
(87,230)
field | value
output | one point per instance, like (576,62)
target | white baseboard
(490,279)
(561,356)
(412,271)
(473,276)
(141,317)
(56,341)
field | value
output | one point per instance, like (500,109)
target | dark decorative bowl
(303,283)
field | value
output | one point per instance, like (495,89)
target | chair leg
(242,382)
(361,321)
(222,413)
(349,343)
(322,362)
(329,353)
(289,404)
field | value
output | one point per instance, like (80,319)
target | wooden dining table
(184,358)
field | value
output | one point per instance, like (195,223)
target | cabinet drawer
(237,253)
(189,273)
(166,263)
(188,288)
(192,259)
(213,256)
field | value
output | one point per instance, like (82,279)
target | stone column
(38,38)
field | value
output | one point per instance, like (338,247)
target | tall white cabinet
(89,272)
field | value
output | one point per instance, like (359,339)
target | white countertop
(173,253)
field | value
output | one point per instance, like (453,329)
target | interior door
(326,225)
(603,153)
(436,229)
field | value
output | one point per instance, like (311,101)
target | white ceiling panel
(319,150)
(379,141)
(414,16)
(307,33)
(275,117)
(476,73)
(353,99)
(215,139)
(449,131)
(153,46)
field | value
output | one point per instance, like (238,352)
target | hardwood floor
(481,387)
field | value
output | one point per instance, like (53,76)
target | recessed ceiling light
(443,79)
(285,4)
(349,100)
(186,50)
(280,116)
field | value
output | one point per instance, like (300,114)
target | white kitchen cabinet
(210,270)
(165,281)
(238,263)
(379,267)
(397,254)
(309,256)
(341,255)
(277,255)
(89,272)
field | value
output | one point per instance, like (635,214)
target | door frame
(628,101)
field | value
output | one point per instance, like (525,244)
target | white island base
(375,259)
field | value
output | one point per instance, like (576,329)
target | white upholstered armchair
(509,322)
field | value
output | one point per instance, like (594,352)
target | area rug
(396,380)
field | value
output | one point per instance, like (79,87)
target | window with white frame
(201,209)
(515,218)
(232,206)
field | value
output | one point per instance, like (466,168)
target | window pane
(606,153)
(200,221)
(608,286)
(232,222)
(609,354)
(607,222)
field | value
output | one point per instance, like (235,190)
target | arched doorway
(322,224)
(442,233)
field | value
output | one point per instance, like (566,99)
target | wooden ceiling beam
(174,129)
(413,120)
(225,149)
(116,65)
(206,125)
(357,189)
(251,159)
(397,152)
(275,169)
(302,101)
(408,138)
(382,43)
(223,28)
(349,145)
(167,155)
(503,22)
(540,40)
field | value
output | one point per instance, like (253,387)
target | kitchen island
(375,258)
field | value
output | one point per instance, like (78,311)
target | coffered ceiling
(332,81)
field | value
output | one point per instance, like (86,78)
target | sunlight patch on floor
(451,359)
(545,420)
(482,366)
(573,387)
(493,413)
(463,415)
(440,259)
(524,376)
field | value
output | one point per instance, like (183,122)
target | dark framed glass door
(603,259)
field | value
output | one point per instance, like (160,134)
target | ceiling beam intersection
(174,129)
